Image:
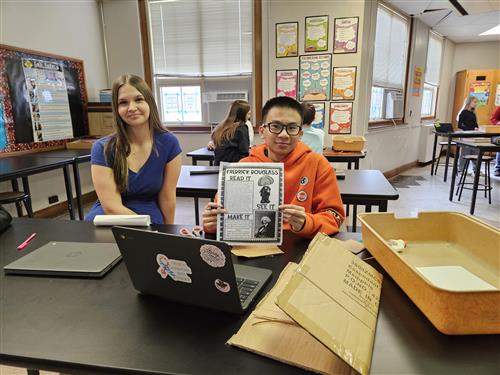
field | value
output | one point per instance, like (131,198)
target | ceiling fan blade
(433,10)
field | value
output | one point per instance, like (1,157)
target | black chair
(443,145)
(486,187)
(17,197)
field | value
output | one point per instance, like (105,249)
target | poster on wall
(319,118)
(3,133)
(481,91)
(286,83)
(316,34)
(346,35)
(417,81)
(497,96)
(340,118)
(344,83)
(48,98)
(287,36)
(315,77)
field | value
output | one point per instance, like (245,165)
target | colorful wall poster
(344,83)
(319,119)
(497,96)
(315,77)
(346,35)
(480,90)
(287,36)
(340,118)
(286,83)
(316,34)
(3,133)
(417,81)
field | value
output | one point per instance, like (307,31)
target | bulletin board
(43,100)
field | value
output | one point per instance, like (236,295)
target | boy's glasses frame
(277,128)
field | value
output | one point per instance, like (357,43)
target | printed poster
(346,35)
(287,39)
(417,81)
(251,193)
(3,133)
(315,76)
(340,118)
(480,90)
(316,34)
(286,83)
(497,96)
(48,98)
(344,83)
(319,118)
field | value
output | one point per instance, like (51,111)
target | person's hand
(294,215)
(211,146)
(210,216)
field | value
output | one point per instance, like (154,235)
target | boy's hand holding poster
(251,194)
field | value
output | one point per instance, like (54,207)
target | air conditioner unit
(226,96)
(394,104)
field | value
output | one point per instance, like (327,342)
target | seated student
(135,170)
(230,137)
(312,199)
(311,136)
(467,121)
(211,145)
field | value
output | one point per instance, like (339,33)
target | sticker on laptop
(212,255)
(178,270)
(222,286)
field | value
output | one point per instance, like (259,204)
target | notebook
(189,270)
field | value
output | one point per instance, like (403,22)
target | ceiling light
(493,31)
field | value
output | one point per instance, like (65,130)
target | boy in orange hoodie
(312,198)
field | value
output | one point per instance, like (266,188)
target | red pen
(26,242)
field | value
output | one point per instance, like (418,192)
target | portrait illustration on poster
(315,77)
(286,83)
(319,118)
(340,118)
(346,35)
(287,39)
(344,83)
(316,34)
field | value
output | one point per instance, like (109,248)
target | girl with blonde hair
(467,121)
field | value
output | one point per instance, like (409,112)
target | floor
(418,191)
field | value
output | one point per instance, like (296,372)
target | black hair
(283,102)
(309,113)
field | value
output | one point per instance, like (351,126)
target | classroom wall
(70,28)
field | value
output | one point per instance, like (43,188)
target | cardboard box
(489,128)
(348,143)
(80,144)
(101,123)
(441,246)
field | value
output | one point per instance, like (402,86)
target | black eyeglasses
(277,128)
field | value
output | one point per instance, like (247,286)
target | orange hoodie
(310,182)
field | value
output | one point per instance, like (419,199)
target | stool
(16,197)
(442,144)
(487,177)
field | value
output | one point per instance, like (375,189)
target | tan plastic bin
(441,239)
(351,143)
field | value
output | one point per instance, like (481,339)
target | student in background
(467,121)
(495,120)
(230,137)
(312,198)
(311,136)
(135,169)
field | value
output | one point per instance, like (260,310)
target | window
(432,73)
(203,41)
(389,65)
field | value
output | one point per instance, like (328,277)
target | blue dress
(145,185)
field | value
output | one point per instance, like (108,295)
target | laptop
(189,270)
(76,259)
(443,127)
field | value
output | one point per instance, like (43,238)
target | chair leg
(462,179)
(485,179)
(488,172)
(439,158)
(28,208)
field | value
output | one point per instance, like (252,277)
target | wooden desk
(450,136)
(360,187)
(103,326)
(481,148)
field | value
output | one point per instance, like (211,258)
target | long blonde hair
(117,149)
(226,129)
(467,104)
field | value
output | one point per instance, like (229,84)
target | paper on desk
(256,251)
(455,278)
(335,296)
(128,220)
(270,332)
(354,247)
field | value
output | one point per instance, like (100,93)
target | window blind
(201,38)
(391,45)
(433,65)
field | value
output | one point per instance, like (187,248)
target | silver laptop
(77,259)
(195,271)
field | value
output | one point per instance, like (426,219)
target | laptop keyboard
(245,288)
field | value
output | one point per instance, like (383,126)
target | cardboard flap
(335,296)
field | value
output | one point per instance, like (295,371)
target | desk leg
(194,161)
(19,207)
(368,208)
(447,158)
(434,153)
(196,211)
(69,192)
(354,218)
(476,181)
(356,164)
(454,171)
(348,165)
(26,188)
(32,371)
(382,206)
(78,189)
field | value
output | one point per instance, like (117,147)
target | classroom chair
(486,187)
(443,144)
(17,197)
